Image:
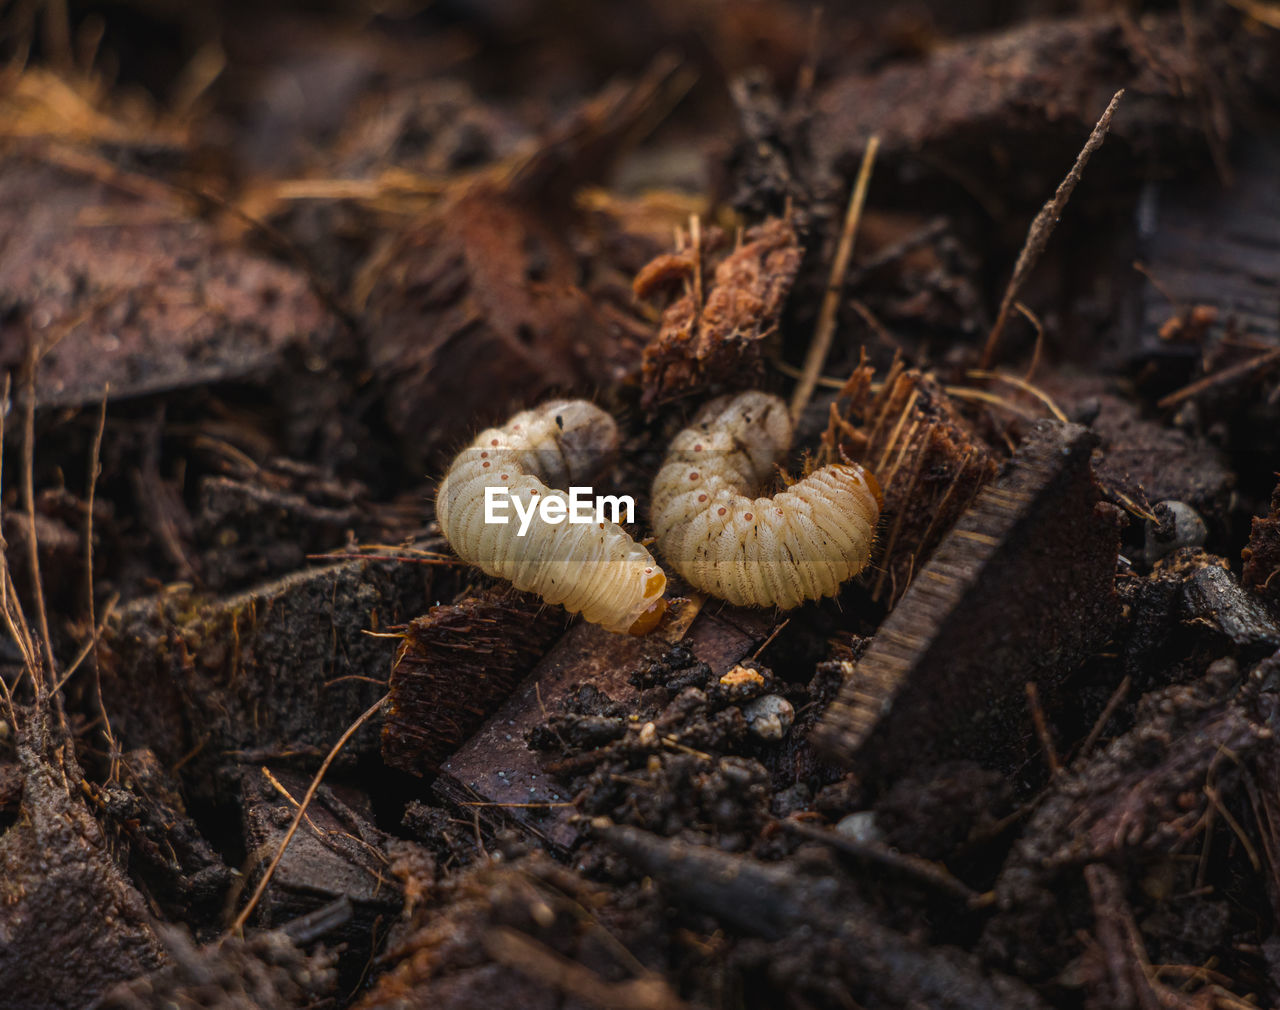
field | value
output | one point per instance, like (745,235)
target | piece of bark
(1214,598)
(723,310)
(1187,613)
(928,460)
(335,854)
(133,292)
(475,312)
(1262,555)
(456,664)
(266,969)
(879,965)
(266,524)
(279,670)
(1213,250)
(1019,591)
(168,856)
(1036,89)
(497,778)
(71,923)
(1134,804)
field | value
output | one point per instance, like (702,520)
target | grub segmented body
(595,569)
(801,544)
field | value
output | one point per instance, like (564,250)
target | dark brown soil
(265,742)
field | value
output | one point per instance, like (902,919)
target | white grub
(801,544)
(595,569)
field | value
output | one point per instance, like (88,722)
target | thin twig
(1024,385)
(1042,227)
(985,396)
(877,327)
(916,867)
(1042,728)
(695,239)
(826,327)
(258,892)
(1113,703)
(1226,375)
(88,647)
(10,608)
(29,503)
(1036,351)
(772,635)
(95,466)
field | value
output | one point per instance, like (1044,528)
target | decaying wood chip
(456,664)
(335,853)
(1037,89)
(497,778)
(927,458)
(180,871)
(1018,591)
(266,969)
(71,921)
(475,312)
(266,523)
(279,670)
(1262,556)
(773,901)
(726,306)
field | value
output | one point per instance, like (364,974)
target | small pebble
(742,675)
(1180,526)
(860,826)
(769,717)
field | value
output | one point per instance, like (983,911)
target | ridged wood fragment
(1021,590)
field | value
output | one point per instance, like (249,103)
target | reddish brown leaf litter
(130,292)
